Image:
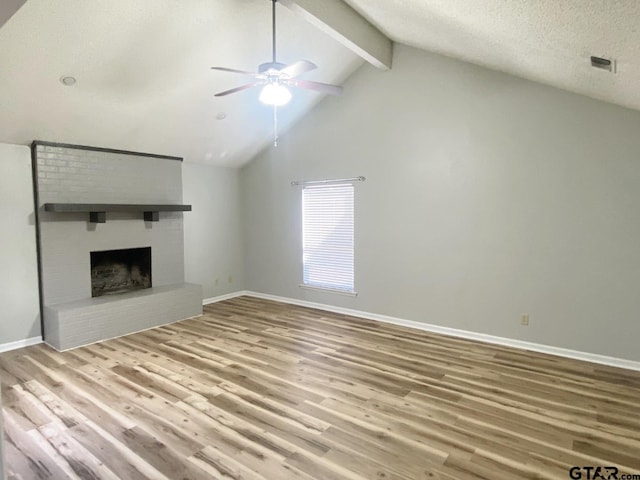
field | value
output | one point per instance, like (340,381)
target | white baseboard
(27,342)
(454,332)
(226,296)
(535,347)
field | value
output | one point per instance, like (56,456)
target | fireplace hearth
(120,271)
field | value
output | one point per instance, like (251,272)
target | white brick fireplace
(69,175)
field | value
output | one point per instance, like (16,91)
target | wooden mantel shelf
(97,211)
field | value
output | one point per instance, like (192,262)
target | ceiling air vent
(603,64)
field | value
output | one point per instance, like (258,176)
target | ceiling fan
(275,77)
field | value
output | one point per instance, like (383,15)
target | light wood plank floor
(261,390)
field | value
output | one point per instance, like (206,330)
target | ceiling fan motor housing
(265,67)
(274,74)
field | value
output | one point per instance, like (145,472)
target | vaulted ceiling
(143,74)
(144,83)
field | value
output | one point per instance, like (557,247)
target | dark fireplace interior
(120,271)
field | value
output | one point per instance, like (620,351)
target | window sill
(329,290)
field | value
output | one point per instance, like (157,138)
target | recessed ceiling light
(221,116)
(68,81)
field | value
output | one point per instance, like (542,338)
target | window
(327,237)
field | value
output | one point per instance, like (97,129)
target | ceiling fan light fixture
(275,94)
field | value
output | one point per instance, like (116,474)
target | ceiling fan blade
(238,89)
(298,68)
(242,72)
(317,86)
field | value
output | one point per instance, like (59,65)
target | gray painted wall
(20,317)
(213,230)
(487,197)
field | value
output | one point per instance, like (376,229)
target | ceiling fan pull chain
(275,126)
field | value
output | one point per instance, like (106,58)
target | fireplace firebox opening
(120,271)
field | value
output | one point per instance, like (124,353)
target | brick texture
(68,175)
(80,323)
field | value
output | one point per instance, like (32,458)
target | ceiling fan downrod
(273,29)
(274,64)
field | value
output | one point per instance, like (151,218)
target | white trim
(27,342)
(348,293)
(454,332)
(226,296)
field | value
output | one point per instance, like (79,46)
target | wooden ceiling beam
(8,8)
(344,24)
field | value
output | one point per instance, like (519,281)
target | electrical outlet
(217,281)
(524,319)
(230,279)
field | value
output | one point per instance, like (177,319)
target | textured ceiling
(549,41)
(144,81)
(143,77)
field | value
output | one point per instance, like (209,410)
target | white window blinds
(327,236)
